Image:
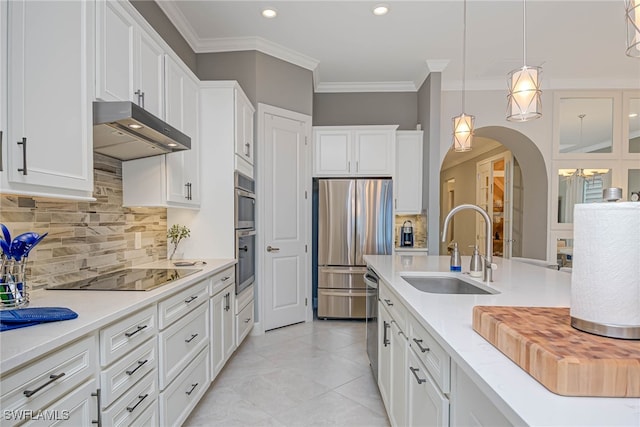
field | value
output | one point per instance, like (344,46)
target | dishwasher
(371,281)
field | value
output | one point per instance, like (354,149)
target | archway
(489,141)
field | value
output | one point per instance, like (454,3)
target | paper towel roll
(605,281)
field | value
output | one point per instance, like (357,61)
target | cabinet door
(244,127)
(115,34)
(217,333)
(78,408)
(398,403)
(51,110)
(408,174)
(229,322)
(177,187)
(384,354)
(374,152)
(332,152)
(150,74)
(426,405)
(3,88)
(191,158)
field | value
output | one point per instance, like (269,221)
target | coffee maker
(406,234)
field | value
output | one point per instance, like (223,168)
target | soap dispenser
(456,262)
(475,267)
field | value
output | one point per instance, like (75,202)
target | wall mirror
(579,185)
(586,125)
(633,116)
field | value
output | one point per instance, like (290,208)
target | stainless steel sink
(444,285)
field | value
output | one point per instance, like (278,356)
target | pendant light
(463,124)
(524,101)
(633,28)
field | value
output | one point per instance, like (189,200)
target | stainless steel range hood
(125,131)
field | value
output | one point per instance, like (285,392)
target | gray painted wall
(264,78)
(159,21)
(429,113)
(367,108)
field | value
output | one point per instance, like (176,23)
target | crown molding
(177,18)
(339,87)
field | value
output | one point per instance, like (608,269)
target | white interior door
(508,206)
(285,232)
(483,199)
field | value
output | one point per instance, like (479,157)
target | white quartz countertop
(95,309)
(522,399)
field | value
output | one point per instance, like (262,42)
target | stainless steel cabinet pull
(348,166)
(357,167)
(414,370)
(187,301)
(247,149)
(23,169)
(247,320)
(389,303)
(1,168)
(130,334)
(272,249)
(385,340)
(244,248)
(140,363)
(52,378)
(140,399)
(193,387)
(140,97)
(422,349)
(227,299)
(225,278)
(99,420)
(189,195)
(191,339)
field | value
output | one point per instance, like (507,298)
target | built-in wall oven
(245,215)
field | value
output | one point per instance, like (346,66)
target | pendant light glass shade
(524,101)
(524,94)
(633,28)
(463,132)
(463,124)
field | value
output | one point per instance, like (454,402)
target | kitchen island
(448,318)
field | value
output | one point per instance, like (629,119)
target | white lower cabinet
(244,314)
(223,324)
(398,403)
(384,355)
(42,385)
(470,406)
(132,403)
(426,405)
(78,408)
(177,401)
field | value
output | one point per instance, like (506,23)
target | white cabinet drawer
(121,337)
(182,303)
(179,399)
(78,408)
(220,280)
(392,303)
(149,417)
(181,342)
(435,359)
(244,322)
(244,298)
(133,403)
(118,378)
(36,385)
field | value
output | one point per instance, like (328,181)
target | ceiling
(580,44)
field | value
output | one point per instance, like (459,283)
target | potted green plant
(175,234)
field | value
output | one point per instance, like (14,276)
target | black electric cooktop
(131,279)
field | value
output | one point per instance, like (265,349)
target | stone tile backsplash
(86,238)
(419,224)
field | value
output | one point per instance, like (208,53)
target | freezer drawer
(344,304)
(341,277)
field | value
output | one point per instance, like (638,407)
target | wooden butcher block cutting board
(565,360)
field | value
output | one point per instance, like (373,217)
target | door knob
(272,249)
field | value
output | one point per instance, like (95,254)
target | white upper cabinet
(129,63)
(170,180)
(183,168)
(49,131)
(353,150)
(3,87)
(244,127)
(408,178)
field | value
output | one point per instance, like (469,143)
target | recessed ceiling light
(269,12)
(380,9)
(632,115)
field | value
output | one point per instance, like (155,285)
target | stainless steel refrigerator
(355,217)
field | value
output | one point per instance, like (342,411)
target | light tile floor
(309,374)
